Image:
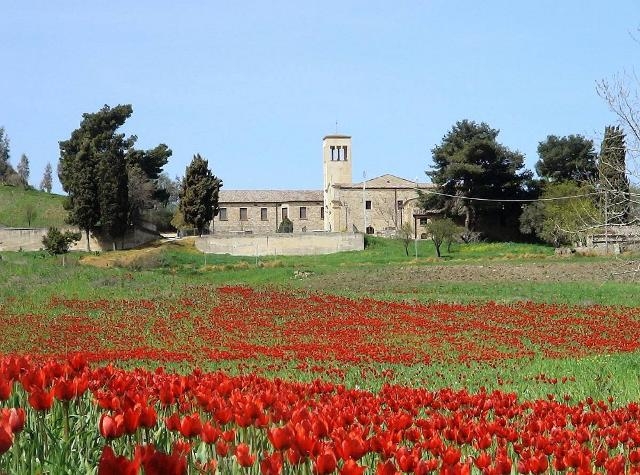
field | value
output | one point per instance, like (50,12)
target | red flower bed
(166,423)
(238,323)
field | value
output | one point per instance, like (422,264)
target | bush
(56,242)
(286,226)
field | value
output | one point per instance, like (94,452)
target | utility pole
(364,199)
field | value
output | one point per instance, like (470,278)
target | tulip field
(237,379)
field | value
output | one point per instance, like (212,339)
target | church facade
(380,205)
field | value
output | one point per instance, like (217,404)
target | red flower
(6,437)
(351,467)
(148,417)
(325,462)
(5,388)
(482,461)
(451,456)
(15,418)
(111,465)
(243,456)
(68,389)
(387,468)
(222,448)
(280,437)
(111,427)
(158,463)
(191,425)
(271,464)
(131,419)
(40,400)
(209,433)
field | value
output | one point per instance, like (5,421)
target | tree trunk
(88,243)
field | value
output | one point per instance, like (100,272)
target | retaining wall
(30,239)
(281,244)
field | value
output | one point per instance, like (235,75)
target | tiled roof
(269,196)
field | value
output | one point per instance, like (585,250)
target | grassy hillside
(15,201)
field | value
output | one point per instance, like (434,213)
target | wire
(558,198)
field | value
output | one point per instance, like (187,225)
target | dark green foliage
(612,178)
(285,226)
(56,242)
(113,194)
(151,162)
(199,194)
(92,171)
(471,163)
(571,158)
(95,165)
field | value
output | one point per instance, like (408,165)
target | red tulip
(191,426)
(111,465)
(40,400)
(271,464)
(243,456)
(111,427)
(15,418)
(325,462)
(280,437)
(6,437)
(351,467)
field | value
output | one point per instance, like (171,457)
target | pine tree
(199,194)
(613,181)
(47,179)
(92,171)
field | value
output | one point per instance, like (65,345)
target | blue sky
(253,86)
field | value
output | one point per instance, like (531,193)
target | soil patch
(397,277)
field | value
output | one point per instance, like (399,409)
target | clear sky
(253,86)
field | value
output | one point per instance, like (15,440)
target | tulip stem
(65,419)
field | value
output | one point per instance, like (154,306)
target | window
(321,212)
(370,230)
(243,214)
(263,214)
(285,213)
(367,204)
(303,212)
(223,214)
(424,221)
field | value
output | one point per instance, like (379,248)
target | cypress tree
(613,181)
(199,194)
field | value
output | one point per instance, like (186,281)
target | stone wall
(251,220)
(281,244)
(30,239)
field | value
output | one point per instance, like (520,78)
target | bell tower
(336,160)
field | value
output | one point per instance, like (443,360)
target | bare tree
(621,93)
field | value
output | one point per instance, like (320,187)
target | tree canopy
(6,170)
(199,194)
(571,158)
(47,179)
(566,213)
(94,169)
(470,163)
(612,176)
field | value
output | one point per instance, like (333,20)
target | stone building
(379,205)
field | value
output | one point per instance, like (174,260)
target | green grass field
(14,202)
(32,279)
